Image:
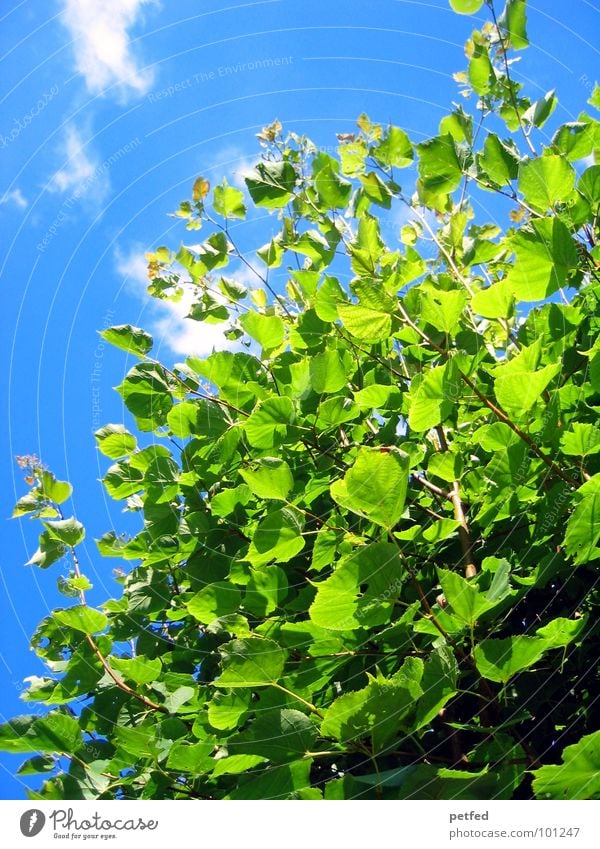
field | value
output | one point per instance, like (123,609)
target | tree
(368,532)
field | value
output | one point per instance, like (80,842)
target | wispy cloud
(234,163)
(78,166)
(167,320)
(15,197)
(103,51)
(81,170)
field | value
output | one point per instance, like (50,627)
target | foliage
(368,532)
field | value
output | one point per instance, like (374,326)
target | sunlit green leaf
(577,777)
(375,486)
(253,662)
(134,340)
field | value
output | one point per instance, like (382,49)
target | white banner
(296,825)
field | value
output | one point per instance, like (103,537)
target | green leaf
(183,419)
(82,618)
(271,184)
(55,732)
(277,538)
(465,598)
(496,301)
(594,100)
(236,764)
(394,150)
(361,591)
(146,392)
(495,437)
(251,662)
(481,71)
(177,698)
(514,22)
(436,783)
(225,503)
(546,180)
(442,309)
(440,171)
(375,486)
(376,190)
(280,735)
(583,527)
(268,423)
(271,253)
(40,763)
(54,490)
(459,124)
(213,601)
(67,531)
(539,112)
(140,670)
(190,757)
(134,340)
(33,502)
(17,735)
(122,480)
(229,202)
(49,551)
(379,710)
(581,440)
(575,139)
(560,632)
(334,191)
(265,590)
(115,441)
(373,397)
(365,323)
(232,288)
(589,185)
(500,660)
(139,741)
(545,257)
(327,372)
(268,330)
(577,777)
(466,7)
(226,711)
(285,781)
(499,160)
(335,411)
(269,478)
(439,684)
(434,397)
(519,383)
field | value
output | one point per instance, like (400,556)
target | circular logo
(32,822)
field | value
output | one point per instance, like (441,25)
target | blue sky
(110,110)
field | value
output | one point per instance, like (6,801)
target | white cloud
(167,320)
(102,46)
(81,172)
(233,163)
(15,196)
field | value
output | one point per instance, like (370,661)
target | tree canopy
(368,530)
